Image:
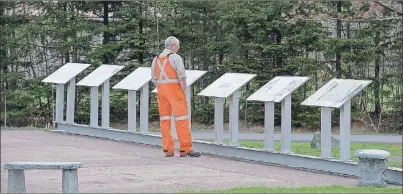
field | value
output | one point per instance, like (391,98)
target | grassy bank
(330,189)
(305,149)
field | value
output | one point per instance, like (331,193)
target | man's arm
(183,84)
(180,69)
(153,77)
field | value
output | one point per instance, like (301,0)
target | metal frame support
(71,95)
(345,125)
(105,104)
(286,125)
(234,119)
(219,120)
(144,98)
(94,107)
(59,102)
(131,101)
(326,131)
(269,126)
(392,175)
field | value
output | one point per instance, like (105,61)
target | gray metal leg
(16,181)
(219,120)
(70,181)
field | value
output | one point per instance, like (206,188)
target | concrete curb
(393,175)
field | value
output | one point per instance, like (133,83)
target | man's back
(175,61)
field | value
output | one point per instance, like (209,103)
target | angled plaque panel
(100,75)
(226,85)
(278,88)
(135,80)
(336,92)
(65,73)
(191,77)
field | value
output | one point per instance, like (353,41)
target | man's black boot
(191,154)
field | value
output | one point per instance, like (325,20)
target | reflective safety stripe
(162,69)
(181,118)
(167,81)
(163,74)
(165,118)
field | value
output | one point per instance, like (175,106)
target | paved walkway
(111,166)
(382,139)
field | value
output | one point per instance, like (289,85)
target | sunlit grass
(395,150)
(329,189)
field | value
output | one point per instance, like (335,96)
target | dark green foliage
(267,38)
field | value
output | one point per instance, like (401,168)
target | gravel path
(111,166)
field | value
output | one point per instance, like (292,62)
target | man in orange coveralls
(168,73)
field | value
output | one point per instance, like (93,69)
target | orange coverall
(171,98)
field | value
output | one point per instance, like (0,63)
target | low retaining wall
(393,175)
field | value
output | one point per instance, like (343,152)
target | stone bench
(372,165)
(16,175)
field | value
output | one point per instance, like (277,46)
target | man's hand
(183,85)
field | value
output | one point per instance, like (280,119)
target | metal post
(5,104)
(144,95)
(234,119)
(219,120)
(345,125)
(286,125)
(326,130)
(131,101)
(189,102)
(269,126)
(94,107)
(71,95)
(59,102)
(105,105)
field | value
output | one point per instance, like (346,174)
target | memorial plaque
(100,75)
(278,88)
(191,77)
(66,73)
(336,92)
(226,85)
(135,80)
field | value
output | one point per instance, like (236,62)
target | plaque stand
(227,86)
(279,90)
(100,77)
(337,93)
(67,73)
(138,80)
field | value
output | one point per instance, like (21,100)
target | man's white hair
(170,40)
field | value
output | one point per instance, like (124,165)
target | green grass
(395,150)
(329,189)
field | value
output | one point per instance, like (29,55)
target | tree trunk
(3,53)
(106,22)
(401,61)
(106,35)
(66,37)
(377,77)
(142,41)
(349,69)
(3,65)
(338,33)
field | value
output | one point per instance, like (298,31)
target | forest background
(319,39)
